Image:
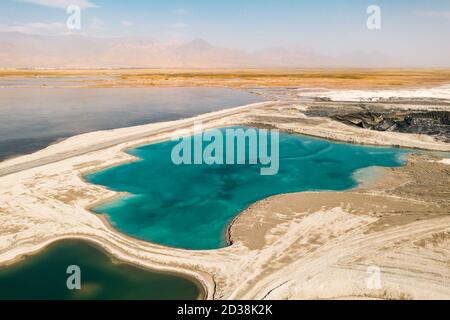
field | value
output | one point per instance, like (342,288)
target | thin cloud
(36,28)
(431,13)
(127,23)
(97,25)
(83,4)
(181,12)
(179,25)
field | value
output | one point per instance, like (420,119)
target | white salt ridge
(442,92)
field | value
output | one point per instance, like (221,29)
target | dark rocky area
(433,123)
(386,117)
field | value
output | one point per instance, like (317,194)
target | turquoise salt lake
(190,206)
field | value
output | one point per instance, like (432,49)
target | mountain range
(19,50)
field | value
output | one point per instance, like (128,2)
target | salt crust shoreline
(32,200)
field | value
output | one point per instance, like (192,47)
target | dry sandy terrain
(330,240)
(307,245)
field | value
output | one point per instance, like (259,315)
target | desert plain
(309,245)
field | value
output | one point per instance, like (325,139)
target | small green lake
(44,277)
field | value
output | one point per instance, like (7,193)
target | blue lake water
(190,206)
(33,118)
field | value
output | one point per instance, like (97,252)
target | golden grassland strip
(328,78)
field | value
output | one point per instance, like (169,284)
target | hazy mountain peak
(19,50)
(197,44)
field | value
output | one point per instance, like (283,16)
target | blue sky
(331,26)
